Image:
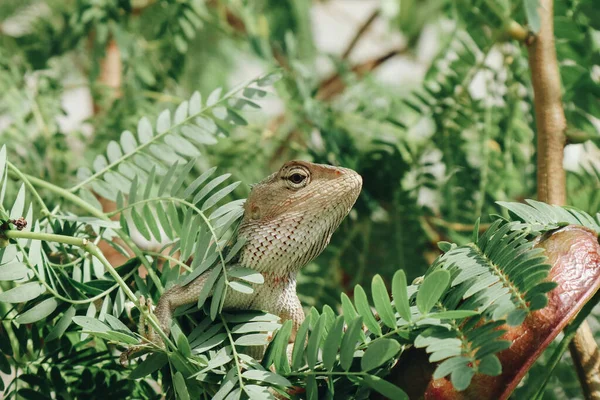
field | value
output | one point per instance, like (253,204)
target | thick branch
(549,113)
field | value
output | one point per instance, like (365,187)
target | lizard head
(290,216)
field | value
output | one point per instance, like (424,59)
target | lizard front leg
(171,299)
(293,311)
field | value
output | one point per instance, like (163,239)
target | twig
(551,126)
(328,89)
(363,28)
(456,226)
(334,85)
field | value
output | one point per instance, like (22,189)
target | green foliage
(539,217)
(434,154)
(457,288)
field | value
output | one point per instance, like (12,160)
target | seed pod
(574,254)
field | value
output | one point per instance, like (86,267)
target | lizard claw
(144,329)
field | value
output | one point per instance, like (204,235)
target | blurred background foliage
(430,101)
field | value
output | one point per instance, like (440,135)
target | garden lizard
(288,220)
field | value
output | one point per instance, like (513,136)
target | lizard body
(288,220)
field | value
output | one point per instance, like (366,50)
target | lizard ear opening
(254,211)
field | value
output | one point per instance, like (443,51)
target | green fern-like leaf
(501,274)
(172,140)
(540,217)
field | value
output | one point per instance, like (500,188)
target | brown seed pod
(574,254)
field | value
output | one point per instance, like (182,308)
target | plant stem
(236,356)
(26,181)
(65,194)
(167,257)
(49,288)
(361,30)
(549,114)
(517,31)
(92,249)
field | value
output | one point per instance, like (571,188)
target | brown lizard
(288,220)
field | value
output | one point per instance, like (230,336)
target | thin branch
(334,85)
(70,197)
(551,126)
(357,36)
(456,226)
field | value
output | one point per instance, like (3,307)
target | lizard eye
(297,179)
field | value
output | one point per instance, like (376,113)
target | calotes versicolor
(288,220)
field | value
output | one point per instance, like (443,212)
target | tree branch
(335,84)
(363,28)
(549,113)
(551,126)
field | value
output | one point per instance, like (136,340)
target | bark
(549,113)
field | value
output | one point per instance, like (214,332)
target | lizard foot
(144,329)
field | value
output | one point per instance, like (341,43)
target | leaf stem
(54,292)
(25,179)
(92,249)
(189,205)
(100,215)
(167,257)
(156,137)
(236,356)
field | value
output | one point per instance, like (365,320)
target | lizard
(288,220)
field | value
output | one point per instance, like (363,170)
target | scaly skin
(288,220)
